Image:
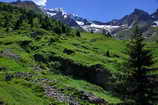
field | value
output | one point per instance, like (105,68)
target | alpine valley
(51,57)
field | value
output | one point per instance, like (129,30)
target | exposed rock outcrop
(8,53)
(92,98)
(2,103)
(95,74)
(71,99)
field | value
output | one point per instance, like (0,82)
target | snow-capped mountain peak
(76,21)
(127,22)
(54,11)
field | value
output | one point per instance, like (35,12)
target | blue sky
(102,10)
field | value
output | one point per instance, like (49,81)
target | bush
(8,77)
(78,34)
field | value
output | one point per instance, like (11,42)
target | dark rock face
(142,19)
(95,74)
(69,21)
(65,18)
(92,98)
(113,22)
(99,23)
(2,68)
(2,103)
(85,21)
(137,17)
(155,15)
(26,4)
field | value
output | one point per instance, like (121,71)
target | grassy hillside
(47,64)
(15,58)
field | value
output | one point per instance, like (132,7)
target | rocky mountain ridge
(137,17)
(115,27)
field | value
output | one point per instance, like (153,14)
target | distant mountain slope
(155,15)
(61,15)
(138,17)
(115,27)
(27,5)
(144,20)
(79,22)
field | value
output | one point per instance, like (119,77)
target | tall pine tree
(7,22)
(140,87)
(18,23)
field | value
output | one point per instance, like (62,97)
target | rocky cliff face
(155,15)
(61,15)
(25,4)
(79,22)
(144,20)
(137,17)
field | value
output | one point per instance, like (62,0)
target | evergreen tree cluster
(14,18)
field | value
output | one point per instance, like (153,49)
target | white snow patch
(65,16)
(155,24)
(104,26)
(57,10)
(40,2)
(80,23)
(99,28)
(51,14)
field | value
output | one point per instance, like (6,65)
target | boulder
(2,68)
(2,103)
(92,98)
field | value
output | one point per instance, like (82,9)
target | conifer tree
(140,87)
(63,28)
(78,34)
(30,17)
(45,23)
(18,23)
(7,22)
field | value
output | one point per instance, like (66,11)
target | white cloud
(40,2)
